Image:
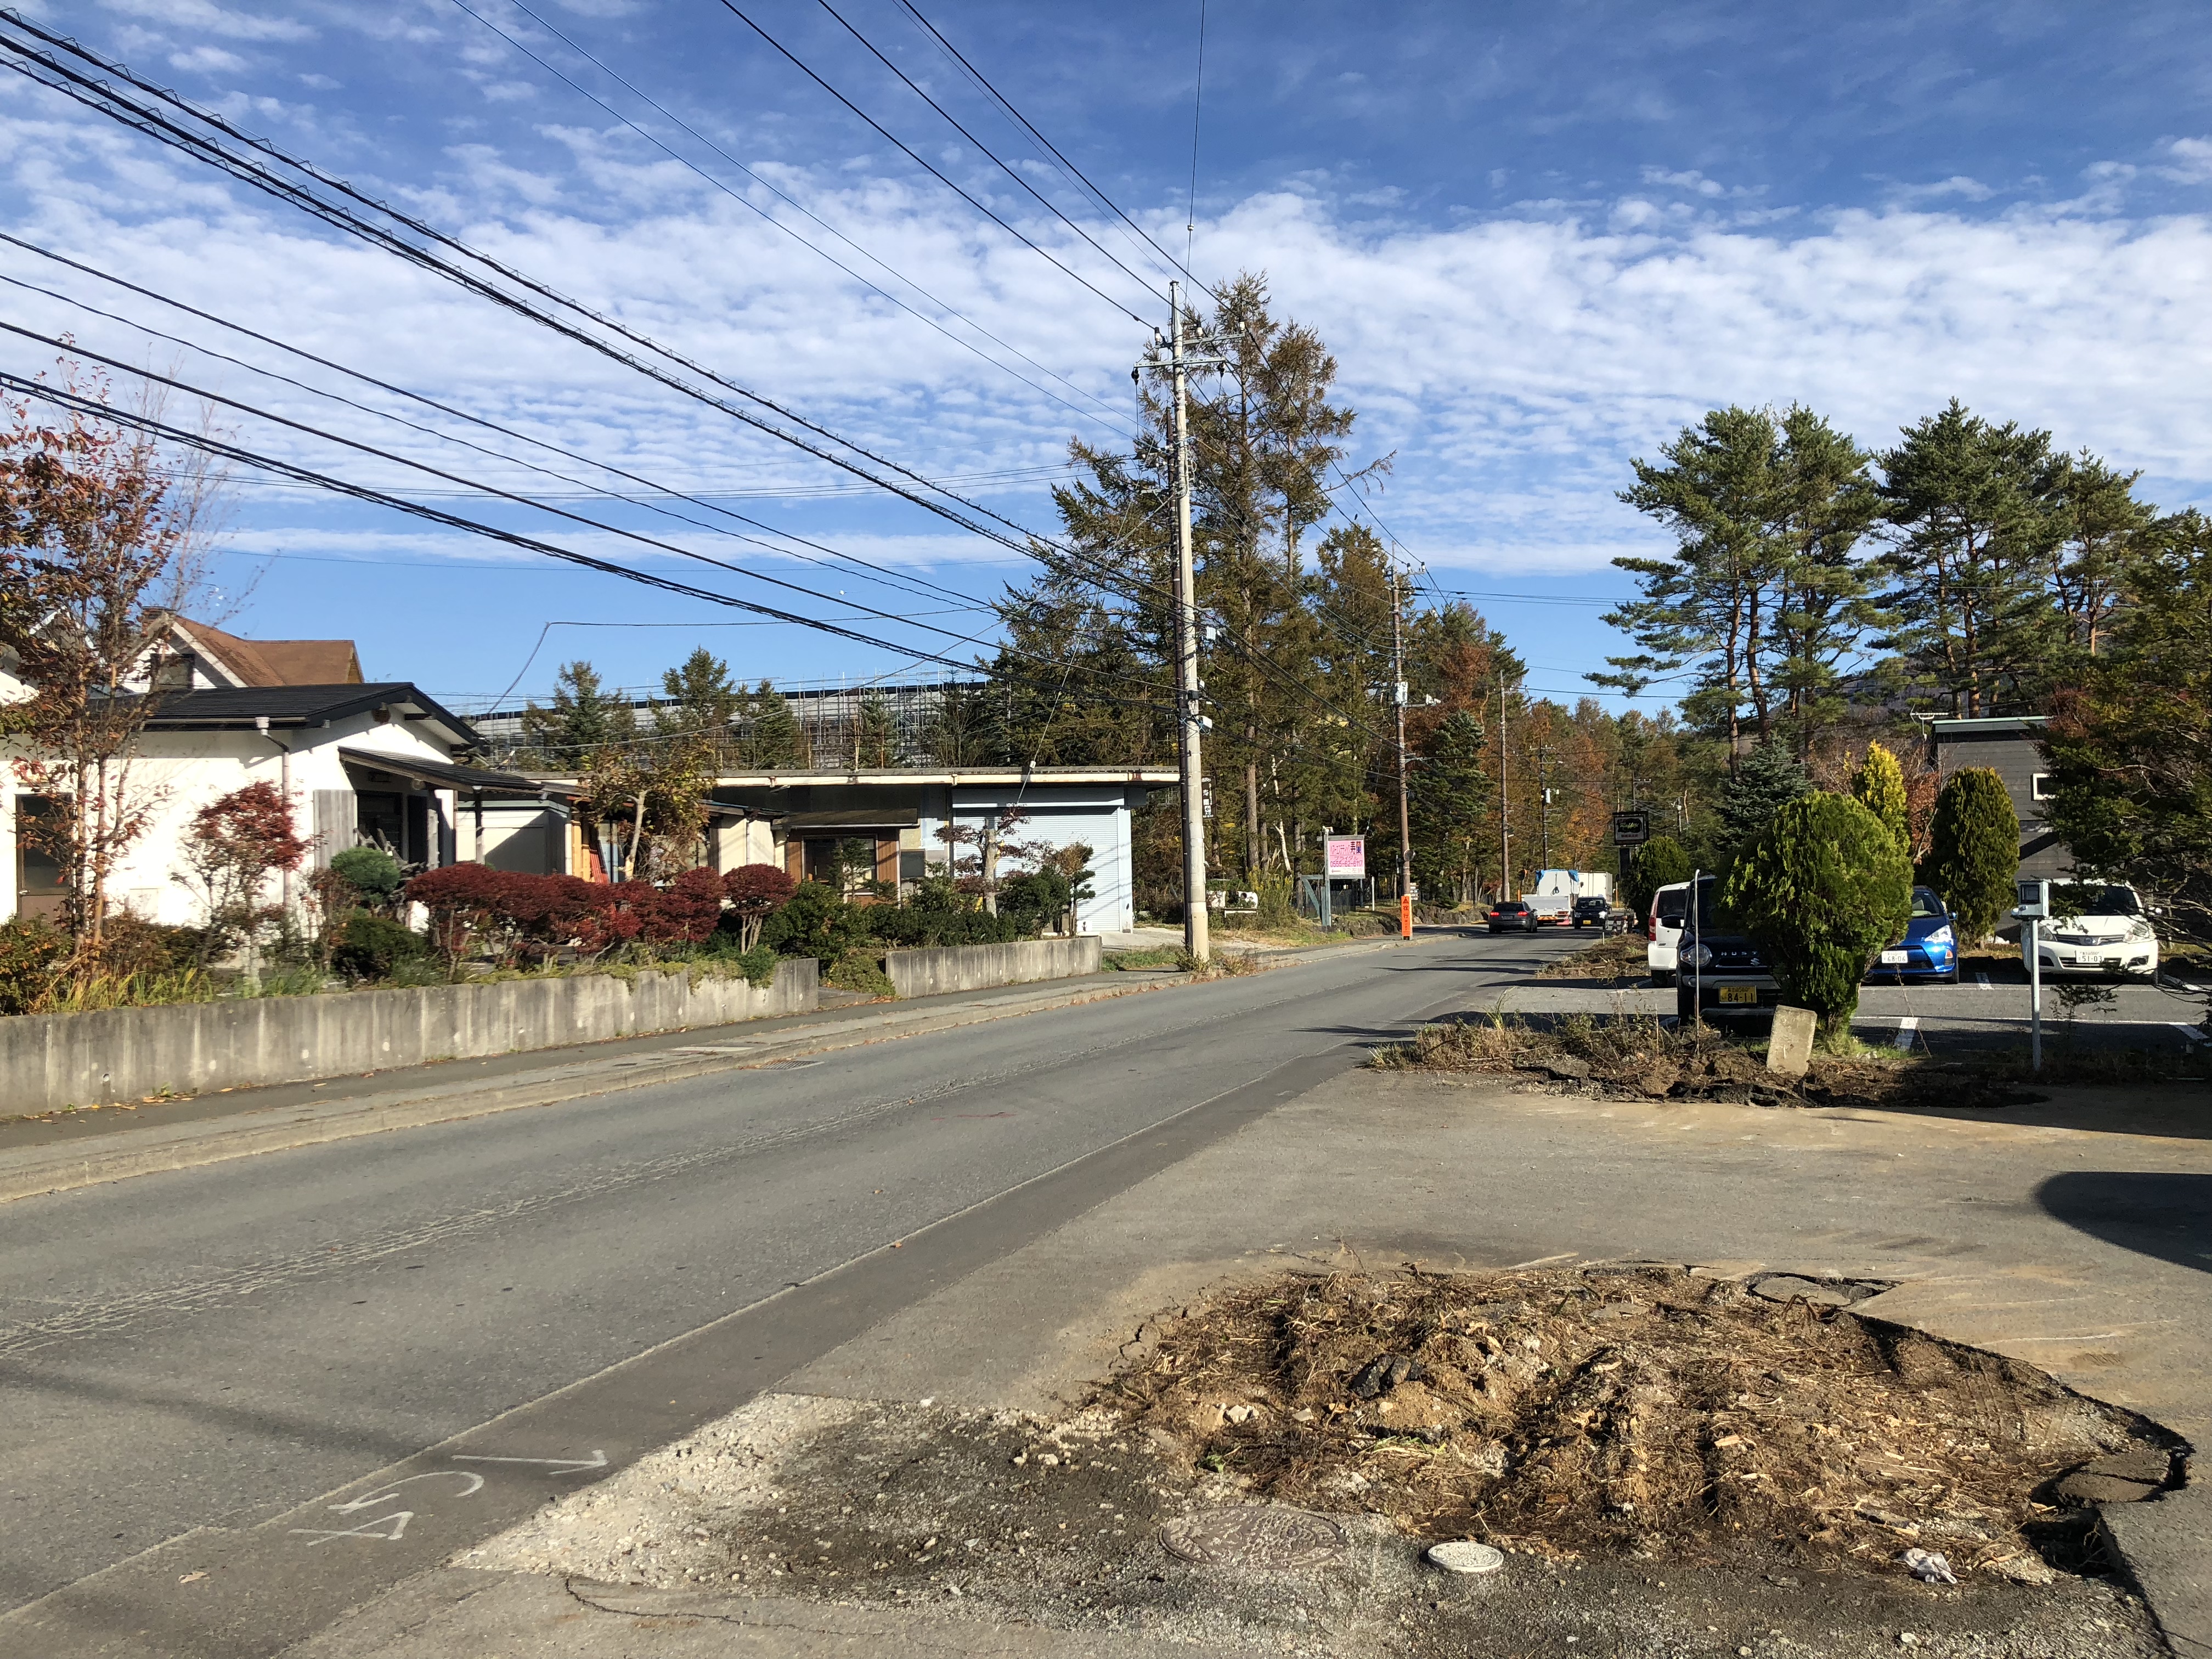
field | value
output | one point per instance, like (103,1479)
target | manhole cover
(1260,1535)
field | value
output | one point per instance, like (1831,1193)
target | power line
(898,580)
(1197,105)
(98,95)
(1068,167)
(738,196)
(1067,271)
(422,510)
(79,403)
(1141,281)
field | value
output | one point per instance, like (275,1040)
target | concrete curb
(153,1148)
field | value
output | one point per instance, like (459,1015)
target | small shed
(2009,745)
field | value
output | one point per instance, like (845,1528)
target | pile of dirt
(1637,1058)
(1645,1412)
(1618,961)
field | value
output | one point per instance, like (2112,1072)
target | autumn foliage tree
(235,844)
(102,538)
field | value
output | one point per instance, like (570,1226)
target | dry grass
(1619,960)
(1636,1057)
(1643,1411)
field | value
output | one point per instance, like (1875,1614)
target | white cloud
(200,17)
(207,60)
(2191,161)
(1514,363)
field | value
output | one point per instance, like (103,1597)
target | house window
(39,888)
(2039,786)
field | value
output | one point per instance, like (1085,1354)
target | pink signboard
(1347,856)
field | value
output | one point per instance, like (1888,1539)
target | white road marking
(1982,980)
(2193,1034)
(397,1522)
(1907,1028)
(598,1460)
(476,1484)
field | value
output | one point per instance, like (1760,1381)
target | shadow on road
(2154,1213)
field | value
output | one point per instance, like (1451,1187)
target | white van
(1670,912)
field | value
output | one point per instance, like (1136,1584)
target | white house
(361,762)
(798,820)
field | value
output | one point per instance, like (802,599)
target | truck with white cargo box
(1553,896)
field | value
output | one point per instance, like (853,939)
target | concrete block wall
(51,1061)
(976,967)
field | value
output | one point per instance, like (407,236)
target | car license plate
(1896,957)
(1740,994)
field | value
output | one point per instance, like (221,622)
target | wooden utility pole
(1398,698)
(1505,828)
(1194,919)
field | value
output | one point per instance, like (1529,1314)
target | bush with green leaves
(815,921)
(1879,786)
(373,873)
(1660,862)
(1974,851)
(1764,782)
(369,946)
(1822,890)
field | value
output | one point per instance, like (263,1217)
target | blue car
(1929,948)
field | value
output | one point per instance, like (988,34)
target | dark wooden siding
(2015,757)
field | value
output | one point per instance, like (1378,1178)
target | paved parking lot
(1990,1007)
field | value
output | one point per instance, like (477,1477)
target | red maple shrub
(755,892)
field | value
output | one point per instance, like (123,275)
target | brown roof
(277,662)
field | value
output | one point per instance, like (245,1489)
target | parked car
(2096,929)
(1720,972)
(1929,948)
(1514,912)
(1669,905)
(1590,911)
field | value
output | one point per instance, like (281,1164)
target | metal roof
(300,705)
(468,780)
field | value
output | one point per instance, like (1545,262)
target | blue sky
(1540,239)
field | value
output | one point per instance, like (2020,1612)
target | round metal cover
(1260,1535)
(1465,1555)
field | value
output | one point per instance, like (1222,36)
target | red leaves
(252,829)
(758,889)
(537,915)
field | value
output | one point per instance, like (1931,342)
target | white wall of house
(181,772)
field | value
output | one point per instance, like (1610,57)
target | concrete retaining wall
(49,1060)
(975,967)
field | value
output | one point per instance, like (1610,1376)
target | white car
(1670,910)
(2095,928)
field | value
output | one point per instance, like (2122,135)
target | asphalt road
(215,1347)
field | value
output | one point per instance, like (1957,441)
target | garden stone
(1790,1048)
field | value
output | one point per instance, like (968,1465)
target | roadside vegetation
(1638,1057)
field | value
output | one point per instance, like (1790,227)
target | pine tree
(582,720)
(876,744)
(769,735)
(703,703)
(1765,781)
(1973,853)
(1451,806)
(2130,745)
(1879,786)
(1975,510)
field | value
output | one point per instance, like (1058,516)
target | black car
(1722,972)
(1590,911)
(1513,912)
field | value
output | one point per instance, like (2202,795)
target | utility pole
(1544,794)
(1505,828)
(1194,919)
(1398,698)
